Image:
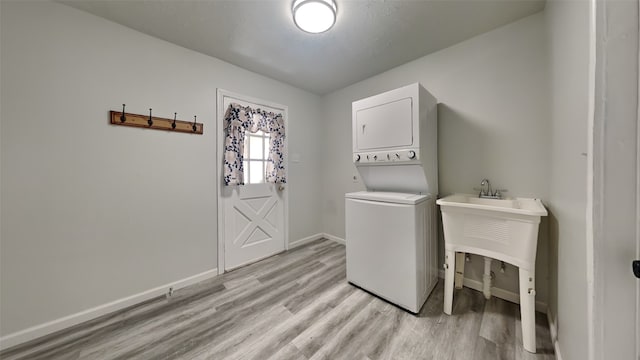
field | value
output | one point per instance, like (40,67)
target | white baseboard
(334,238)
(300,242)
(80,317)
(499,293)
(553,329)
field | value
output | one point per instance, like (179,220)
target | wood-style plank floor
(296,305)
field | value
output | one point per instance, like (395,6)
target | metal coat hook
(150,121)
(173,124)
(122,117)
(194,127)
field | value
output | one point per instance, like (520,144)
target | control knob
(357,157)
(412,154)
(375,157)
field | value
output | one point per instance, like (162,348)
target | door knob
(281,187)
(636,268)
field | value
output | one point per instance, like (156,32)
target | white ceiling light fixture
(314,16)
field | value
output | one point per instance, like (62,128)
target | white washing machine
(391,228)
(392,246)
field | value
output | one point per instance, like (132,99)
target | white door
(252,218)
(616,182)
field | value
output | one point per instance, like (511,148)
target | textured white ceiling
(259,35)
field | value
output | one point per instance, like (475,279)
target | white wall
(493,123)
(568,39)
(93,212)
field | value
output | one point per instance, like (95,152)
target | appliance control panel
(381,157)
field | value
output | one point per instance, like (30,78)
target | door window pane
(255,147)
(256,153)
(245,166)
(256,172)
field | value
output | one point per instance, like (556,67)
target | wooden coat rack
(152,122)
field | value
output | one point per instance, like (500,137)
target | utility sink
(524,206)
(502,229)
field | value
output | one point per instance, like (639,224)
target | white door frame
(638,193)
(221,95)
(599,86)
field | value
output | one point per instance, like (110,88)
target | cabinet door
(385,126)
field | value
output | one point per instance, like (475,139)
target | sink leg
(459,270)
(449,266)
(486,278)
(527,309)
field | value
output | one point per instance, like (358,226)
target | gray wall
(568,38)
(92,212)
(493,122)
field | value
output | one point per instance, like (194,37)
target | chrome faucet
(489,193)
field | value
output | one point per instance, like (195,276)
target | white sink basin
(522,206)
(503,229)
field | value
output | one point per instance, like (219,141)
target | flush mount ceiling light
(314,16)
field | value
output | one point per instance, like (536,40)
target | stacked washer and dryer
(391,229)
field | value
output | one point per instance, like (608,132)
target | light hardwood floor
(296,305)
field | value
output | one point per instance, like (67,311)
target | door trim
(593,168)
(221,94)
(638,187)
(596,196)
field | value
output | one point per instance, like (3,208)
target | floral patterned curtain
(238,120)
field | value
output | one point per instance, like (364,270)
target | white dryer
(392,245)
(391,231)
